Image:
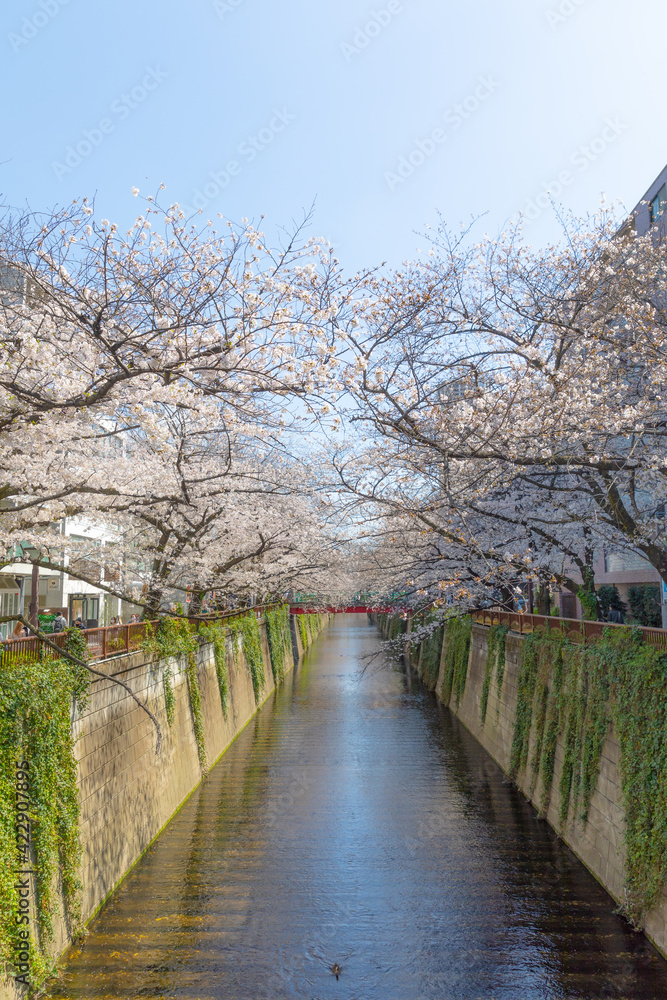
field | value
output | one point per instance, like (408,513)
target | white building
(60,591)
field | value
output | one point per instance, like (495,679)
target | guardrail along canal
(354,821)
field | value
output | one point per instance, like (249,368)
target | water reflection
(356,821)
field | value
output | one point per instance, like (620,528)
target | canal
(355,821)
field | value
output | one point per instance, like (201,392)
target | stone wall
(127,793)
(600,842)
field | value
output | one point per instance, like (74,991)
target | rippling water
(355,821)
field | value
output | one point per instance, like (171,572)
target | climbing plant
(246,629)
(588,603)
(176,637)
(524,703)
(216,633)
(570,692)
(36,697)
(431,649)
(501,636)
(280,640)
(303,630)
(396,627)
(457,648)
(495,657)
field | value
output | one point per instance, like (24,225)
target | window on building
(659,203)
(9,605)
(620,562)
(11,285)
(84,606)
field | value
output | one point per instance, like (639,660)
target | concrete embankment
(599,842)
(127,792)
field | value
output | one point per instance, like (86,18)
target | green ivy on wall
(303,630)
(246,628)
(177,637)
(457,649)
(431,648)
(572,692)
(216,633)
(309,626)
(280,639)
(36,698)
(495,657)
(396,626)
(169,696)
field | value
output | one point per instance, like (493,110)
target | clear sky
(382,113)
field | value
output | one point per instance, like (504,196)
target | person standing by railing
(59,622)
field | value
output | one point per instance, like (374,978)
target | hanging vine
(246,629)
(280,640)
(457,649)
(396,627)
(176,637)
(495,657)
(216,633)
(571,692)
(501,634)
(36,698)
(431,648)
(303,630)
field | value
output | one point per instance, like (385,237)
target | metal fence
(110,640)
(574,628)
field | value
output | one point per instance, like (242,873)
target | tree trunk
(153,599)
(587,596)
(543,600)
(196,601)
(33,614)
(506,598)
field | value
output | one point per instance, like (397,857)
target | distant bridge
(350,609)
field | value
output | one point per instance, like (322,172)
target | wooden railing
(110,640)
(577,630)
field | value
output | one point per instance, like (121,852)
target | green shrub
(609,597)
(644,601)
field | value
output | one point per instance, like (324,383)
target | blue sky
(382,113)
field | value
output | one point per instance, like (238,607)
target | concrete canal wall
(127,793)
(599,843)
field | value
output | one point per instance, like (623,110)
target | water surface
(356,821)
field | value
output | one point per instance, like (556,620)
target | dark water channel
(355,821)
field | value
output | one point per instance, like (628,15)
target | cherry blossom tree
(100,329)
(518,395)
